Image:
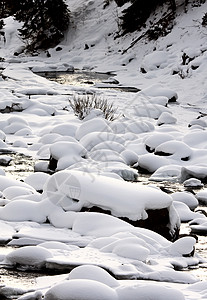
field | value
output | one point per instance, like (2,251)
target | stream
(76,78)
(87,79)
(21,166)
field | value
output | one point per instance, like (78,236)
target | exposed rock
(158,220)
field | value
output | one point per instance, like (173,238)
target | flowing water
(76,78)
(87,79)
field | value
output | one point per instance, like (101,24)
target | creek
(87,79)
(21,166)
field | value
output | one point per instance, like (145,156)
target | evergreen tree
(2,15)
(1,24)
(44,22)
(135,16)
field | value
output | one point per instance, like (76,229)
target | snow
(81,289)
(185,213)
(37,180)
(66,154)
(93,273)
(167,173)
(24,210)
(187,198)
(96,124)
(155,60)
(149,291)
(166,118)
(73,190)
(12,192)
(161,128)
(202,196)
(28,255)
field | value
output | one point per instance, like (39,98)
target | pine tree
(1,24)
(44,22)
(2,15)
(135,16)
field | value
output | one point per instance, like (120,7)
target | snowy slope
(98,28)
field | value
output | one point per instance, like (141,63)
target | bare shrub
(83,105)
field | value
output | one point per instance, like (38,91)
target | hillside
(92,43)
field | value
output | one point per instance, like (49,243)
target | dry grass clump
(82,105)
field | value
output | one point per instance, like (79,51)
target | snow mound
(155,60)
(167,173)
(73,190)
(97,124)
(81,289)
(149,291)
(150,110)
(187,198)
(29,255)
(93,273)
(156,90)
(175,149)
(90,140)
(183,246)
(65,154)
(37,180)
(166,118)
(156,139)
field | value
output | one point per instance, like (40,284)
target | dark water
(87,79)
(20,166)
(76,78)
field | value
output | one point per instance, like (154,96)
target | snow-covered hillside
(92,43)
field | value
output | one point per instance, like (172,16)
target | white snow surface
(94,158)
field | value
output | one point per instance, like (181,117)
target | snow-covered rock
(29,256)
(81,289)
(65,154)
(75,190)
(187,198)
